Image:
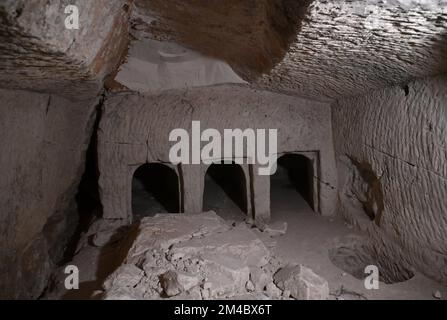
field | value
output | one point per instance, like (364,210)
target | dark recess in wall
(295,171)
(155,189)
(373,205)
(231,178)
(87,198)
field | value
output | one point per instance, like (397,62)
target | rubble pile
(202,256)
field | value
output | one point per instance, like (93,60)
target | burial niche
(155,189)
(292,187)
(226,190)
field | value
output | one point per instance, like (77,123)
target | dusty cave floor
(307,241)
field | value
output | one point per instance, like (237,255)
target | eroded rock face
(135,130)
(319,49)
(353,254)
(154,66)
(38,53)
(400,133)
(251,36)
(302,283)
(397,136)
(199,257)
(346,48)
(44,139)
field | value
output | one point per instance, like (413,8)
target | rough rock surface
(348,47)
(41,160)
(135,130)
(390,143)
(153,66)
(103,232)
(320,49)
(302,283)
(195,257)
(275,229)
(255,34)
(392,162)
(38,53)
(354,253)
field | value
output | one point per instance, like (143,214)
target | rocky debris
(250,286)
(106,231)
(345,294)
(199,256)
(260,278)
(165,230)
(103,232)
(127,275)
(174,282)
(267,231)
(243,248)
(286,294)
(437,295)
(276,229)
(302,283)
(273,291)
(121,293)
(250,296)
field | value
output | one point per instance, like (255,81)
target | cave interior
(356,92)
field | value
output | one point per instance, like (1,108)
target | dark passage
(226,191)
(155,189)
(292,180)
(86,206)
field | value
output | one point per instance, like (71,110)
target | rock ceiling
(318,49)
(345,48)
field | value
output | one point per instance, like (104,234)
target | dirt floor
(308,239)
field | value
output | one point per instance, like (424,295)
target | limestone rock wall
(348,47)
(38,53)
(135,129)
(251,36)
(154,66)
(42,153)
(391,151)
